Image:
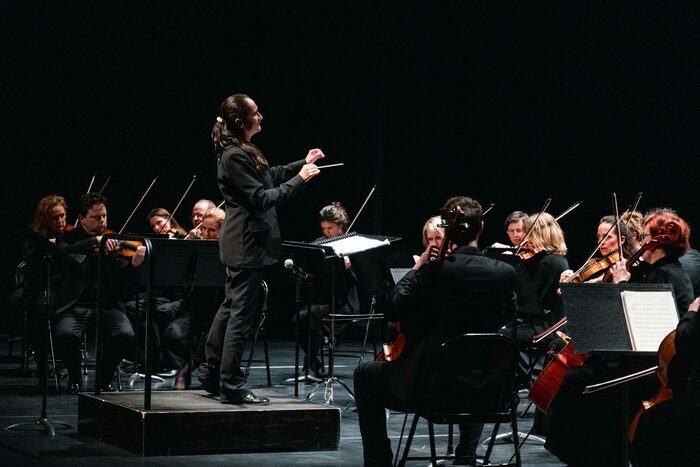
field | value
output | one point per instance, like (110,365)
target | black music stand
(187,264)
(596,324)
(51,255)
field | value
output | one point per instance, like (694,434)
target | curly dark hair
(472,215)
(336,213)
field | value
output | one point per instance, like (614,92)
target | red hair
(675,231)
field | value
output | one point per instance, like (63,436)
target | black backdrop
(508,104)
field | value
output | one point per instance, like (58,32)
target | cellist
(434,301)
(584,428)
(669,432)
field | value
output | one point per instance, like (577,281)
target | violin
(595,266)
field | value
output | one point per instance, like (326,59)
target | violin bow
(571,208)
(202,221)
(633,208)
(105,184)
(617,222)
(529,231)
(92,181)
(138,204)
(182,198)
(371,192)
(488,208)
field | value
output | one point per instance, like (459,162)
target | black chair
(473,380)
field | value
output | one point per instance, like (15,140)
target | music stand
(51,254)
(596,324)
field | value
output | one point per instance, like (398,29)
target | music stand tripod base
(328,393)
(507,438)
(44,423)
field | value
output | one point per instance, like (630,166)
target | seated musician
(585,429)
(77,295)
(162,222)
(669,432)
(334,221)
(198,210)
(212,221)
(176,331)
(609,246)
(50,216)
(515,228)
(434,303)
(432,233)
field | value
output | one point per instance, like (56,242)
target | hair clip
(219,119)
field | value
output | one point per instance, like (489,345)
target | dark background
(508,104)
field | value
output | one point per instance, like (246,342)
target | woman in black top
(585,429)
(249,240)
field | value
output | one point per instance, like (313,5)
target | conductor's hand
(314,155)
(308,171)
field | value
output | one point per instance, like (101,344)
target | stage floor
(20,401)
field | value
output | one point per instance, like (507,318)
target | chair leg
(53,359)
(433,454)
(450,440)
(514,427)
(406,450)
(492,441)
(398,447)
(258,320)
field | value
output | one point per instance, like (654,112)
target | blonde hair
(432,225)
(546,234)
(218,214)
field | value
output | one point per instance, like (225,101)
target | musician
(250,239)
(609,246)
(669,432)
(334,221)
(176,332)
(544,262)
(50,216)
(198,210)
(212,221)
(515,229)
(431,302)
(584,429)
(162,222)
(77,295)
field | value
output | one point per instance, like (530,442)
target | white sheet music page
(650,317)
(355,244)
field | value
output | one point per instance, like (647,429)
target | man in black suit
(463,292)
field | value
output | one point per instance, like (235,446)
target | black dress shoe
(211,388)
(108,388)
(74,388)
(249,398)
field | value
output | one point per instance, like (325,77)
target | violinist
(432,234)
(544,262)
(211,223)
(584,429)
(176,330)
(50,216)
(77,294)
(608,249)
(669,432)
(198,210)
(161,221)
(334,221)
(435,301)
(515,229)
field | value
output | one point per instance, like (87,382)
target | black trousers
(117,335)
(229,331)
(372,389)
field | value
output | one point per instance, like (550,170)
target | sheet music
(355,244)
(398,273)
(650,317)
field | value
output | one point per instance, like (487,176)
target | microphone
(296,270)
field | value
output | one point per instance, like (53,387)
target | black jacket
(250,236)
(465,292)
